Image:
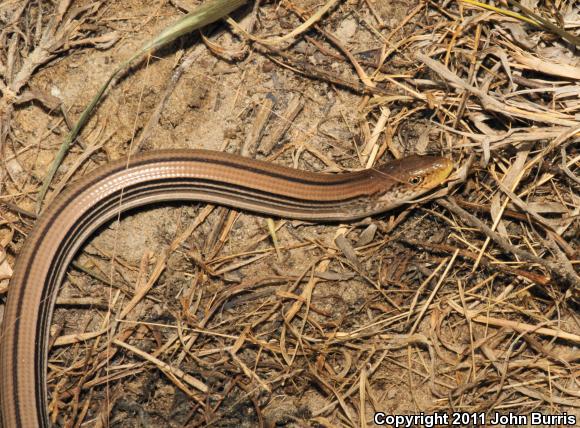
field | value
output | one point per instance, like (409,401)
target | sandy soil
(228,287)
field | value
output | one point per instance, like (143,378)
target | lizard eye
(416,180)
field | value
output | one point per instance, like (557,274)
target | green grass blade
(205,14)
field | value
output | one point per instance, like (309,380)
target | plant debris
(195,315)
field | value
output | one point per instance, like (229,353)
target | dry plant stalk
(466,304)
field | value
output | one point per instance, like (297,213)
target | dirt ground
(434,307)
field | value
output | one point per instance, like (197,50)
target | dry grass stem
(195,315)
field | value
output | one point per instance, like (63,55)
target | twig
(559,271)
